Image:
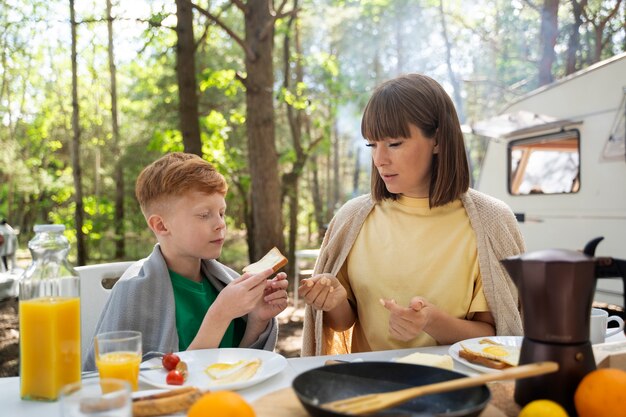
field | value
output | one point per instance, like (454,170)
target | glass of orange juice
(118,355)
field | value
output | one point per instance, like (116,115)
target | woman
(416,262)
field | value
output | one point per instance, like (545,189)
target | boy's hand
(274,299)
(406,323)
(323,292)
(242,295)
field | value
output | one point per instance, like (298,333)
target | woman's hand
(406,323)
(274,299)
(423,316)
(323,292)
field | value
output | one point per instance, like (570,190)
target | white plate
(514,341)
(197,360)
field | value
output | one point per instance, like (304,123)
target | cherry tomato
(174,378)
(170,360)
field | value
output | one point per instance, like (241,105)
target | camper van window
(548,164)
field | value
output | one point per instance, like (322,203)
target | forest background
(271,92)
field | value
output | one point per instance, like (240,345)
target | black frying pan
(336,382)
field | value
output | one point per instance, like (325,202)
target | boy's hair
(175,174)
(420,101)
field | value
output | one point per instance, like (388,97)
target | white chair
(93,296)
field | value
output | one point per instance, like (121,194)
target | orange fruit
(602,393)
(221,403)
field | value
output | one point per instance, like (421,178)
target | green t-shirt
(192,300)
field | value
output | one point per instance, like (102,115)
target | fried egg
(502,353)
(227,373)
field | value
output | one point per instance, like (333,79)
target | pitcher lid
(49,228)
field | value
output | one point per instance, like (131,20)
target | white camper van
(557,158)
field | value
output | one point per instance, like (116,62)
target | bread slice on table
(472,357)
(272,259)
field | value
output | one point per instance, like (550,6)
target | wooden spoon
(370,403)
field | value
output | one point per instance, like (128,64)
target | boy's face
(195,225)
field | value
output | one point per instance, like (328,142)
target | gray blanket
(143,300)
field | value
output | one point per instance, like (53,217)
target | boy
(180,297)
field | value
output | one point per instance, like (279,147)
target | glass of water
(102,398)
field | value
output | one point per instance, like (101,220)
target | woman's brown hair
(175,174)
(419,100)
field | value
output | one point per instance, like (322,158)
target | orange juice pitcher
(49,318)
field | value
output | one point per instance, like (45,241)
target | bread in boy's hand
(272,259)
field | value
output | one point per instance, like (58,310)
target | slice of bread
(481,360)
(272,259)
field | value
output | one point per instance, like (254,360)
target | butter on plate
(428,359)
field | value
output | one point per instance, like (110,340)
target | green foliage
(213,142)
(167,141)
(296,99)
(348,47)
(223,80)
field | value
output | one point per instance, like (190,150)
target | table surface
(12,405)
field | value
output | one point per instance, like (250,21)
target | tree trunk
(597,50)
(186,76)
(75,150)
(336,166)
(120,249)
(291,191)
(297,119)
(328,185)
(262,154)
(600,29)
(573,44)
(456,85)
(400,15)
(249,220)
(357,172)
(549,32)
(9,178)
(291,179)
(318,204)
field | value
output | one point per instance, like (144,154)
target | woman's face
(404,163)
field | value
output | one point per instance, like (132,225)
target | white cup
(598,330)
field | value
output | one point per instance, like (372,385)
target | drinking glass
(118,355)
(96,398)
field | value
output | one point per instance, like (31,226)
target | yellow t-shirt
(405,249)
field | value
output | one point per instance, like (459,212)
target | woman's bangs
(384,118)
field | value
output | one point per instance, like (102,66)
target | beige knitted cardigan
(497,237)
